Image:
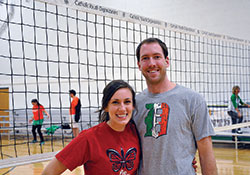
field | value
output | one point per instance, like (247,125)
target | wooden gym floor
(229,160)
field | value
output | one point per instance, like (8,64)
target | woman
(111,147)
(37,119)
(233,108)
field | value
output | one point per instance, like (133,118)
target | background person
(111,147)
(72,112)
(37,119)
(233,108)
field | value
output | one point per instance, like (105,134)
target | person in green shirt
(233,108)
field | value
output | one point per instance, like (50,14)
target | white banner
(117,14)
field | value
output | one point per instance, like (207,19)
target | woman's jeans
(235,119)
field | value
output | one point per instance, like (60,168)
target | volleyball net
(51,46)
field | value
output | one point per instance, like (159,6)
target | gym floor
(229,162)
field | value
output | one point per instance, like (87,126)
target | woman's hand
(194,164)
(239,114)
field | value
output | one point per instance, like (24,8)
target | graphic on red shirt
(38,112)
(120,161)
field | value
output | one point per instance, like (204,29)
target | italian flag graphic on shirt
(157,119)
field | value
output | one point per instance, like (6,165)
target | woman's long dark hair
(35,101)
(108,92)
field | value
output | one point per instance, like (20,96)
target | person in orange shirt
(37,119)
(72,112)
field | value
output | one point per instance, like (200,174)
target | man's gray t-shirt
(169,125)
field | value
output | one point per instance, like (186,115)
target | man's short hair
(72,91)
(152,40)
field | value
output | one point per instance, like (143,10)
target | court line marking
(23,160)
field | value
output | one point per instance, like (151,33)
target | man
(72,112)
(172,120)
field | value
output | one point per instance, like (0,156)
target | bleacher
(18,125)
(223,136)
